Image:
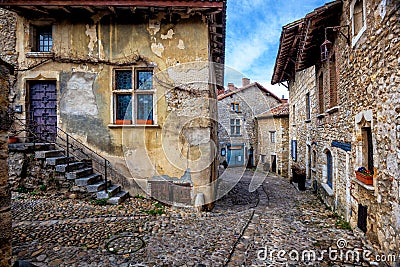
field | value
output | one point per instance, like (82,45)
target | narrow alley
(244,229)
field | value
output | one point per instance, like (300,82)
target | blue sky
(252,37)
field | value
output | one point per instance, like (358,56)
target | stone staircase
(83,175)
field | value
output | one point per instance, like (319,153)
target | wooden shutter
(332,82)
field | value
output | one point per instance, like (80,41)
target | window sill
(332,110)
(307,121)
(320,116)
(39,54)
(133,126)
(236,135)
(314,169)
(327,189)
(368,187)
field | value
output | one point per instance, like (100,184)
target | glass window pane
(145,107)
(124,107)
(123,79)
(144,80)
(237,129)
(232,121)
(237,121)
(232,129)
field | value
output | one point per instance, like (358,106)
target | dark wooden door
(43,110)
(273,163)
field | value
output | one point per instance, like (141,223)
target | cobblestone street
(50,231)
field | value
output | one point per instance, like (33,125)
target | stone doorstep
(48,154)
(58,160)
(91,179)
(118,198)
(111,191)
(96,187)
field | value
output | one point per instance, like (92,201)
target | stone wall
(372,69)
(8,36)
(368,80)
(280,125)
(5,193)
(253,101)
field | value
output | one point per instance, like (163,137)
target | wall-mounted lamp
(327,45)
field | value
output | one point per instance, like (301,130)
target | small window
(358,19)
(272,134)
(293,150)
(262,158)
(42,38)
(329,169)
(314,159)
(294,113)
(235,107)
(223,152)
(235,126)
(367,149)
(308,107)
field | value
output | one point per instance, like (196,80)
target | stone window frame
(357,36)
(324,183)
(364,119)
(33,49)
(134,92)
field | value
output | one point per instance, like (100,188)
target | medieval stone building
(237,131)
(132,81)
(273,139)
(341,62)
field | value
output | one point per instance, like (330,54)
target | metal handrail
(71,145)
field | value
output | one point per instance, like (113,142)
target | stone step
(58,160)
(118,198)
(73,166)
(79,173)
(96,187)
(48,154)
(88,180)
(111,191)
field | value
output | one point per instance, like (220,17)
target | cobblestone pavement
(50,231)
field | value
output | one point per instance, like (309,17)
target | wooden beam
(217,34)
(148,3)
(112,9)
(88,9)
(37,9)
(133,9)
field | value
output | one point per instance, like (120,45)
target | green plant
(139,196)
(100,202)
(34,193)
(43,187)
(158,205)
(22,189)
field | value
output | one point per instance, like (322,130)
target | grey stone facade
(356,125)
(237,109)
(273,140)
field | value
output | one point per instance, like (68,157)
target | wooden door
(43,110)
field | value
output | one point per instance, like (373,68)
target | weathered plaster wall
(85,54)
(5,193)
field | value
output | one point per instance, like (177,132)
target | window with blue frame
(329,169)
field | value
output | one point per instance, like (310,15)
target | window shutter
(332,82)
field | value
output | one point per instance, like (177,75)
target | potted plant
(12,139)
(364,175)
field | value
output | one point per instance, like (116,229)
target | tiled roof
(256,84)
(278,111)
(300,41)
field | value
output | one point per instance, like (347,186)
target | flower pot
(12,139)
(366,179)
(123,122)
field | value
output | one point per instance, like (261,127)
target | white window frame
(134,92)
(272,136)
(363,28)
(236,125)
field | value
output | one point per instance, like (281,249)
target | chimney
(245,81)
(231,87)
